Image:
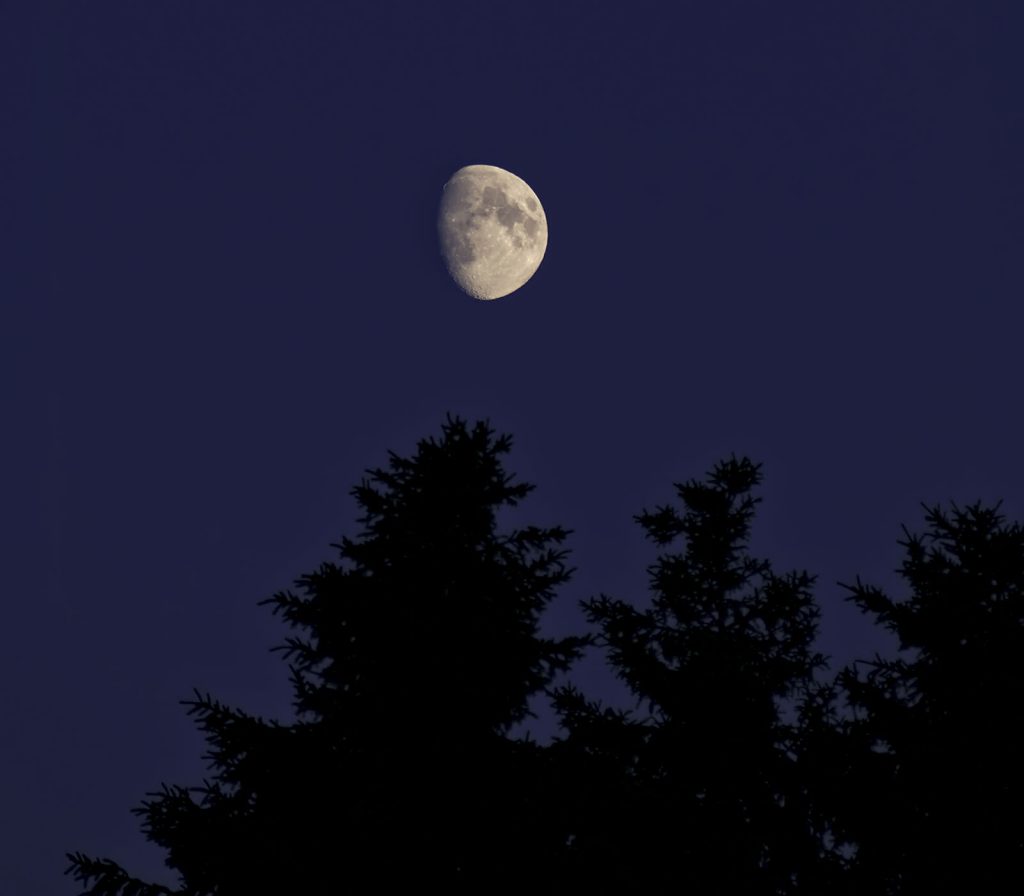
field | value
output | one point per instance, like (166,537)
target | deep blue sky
(787,230)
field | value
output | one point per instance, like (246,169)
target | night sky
(786,230)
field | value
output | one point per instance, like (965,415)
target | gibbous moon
(492,229)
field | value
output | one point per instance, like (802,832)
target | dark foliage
(935,780)
(741,769)
(419,651)
(704,792)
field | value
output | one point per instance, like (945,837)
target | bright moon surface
(492,229)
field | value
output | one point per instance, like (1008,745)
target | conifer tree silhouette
(933,785)
(703,794)
(420,651)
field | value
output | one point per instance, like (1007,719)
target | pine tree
(704,792)
(934,780)
(420,650)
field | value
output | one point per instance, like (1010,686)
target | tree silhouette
(420,651)
(705,793)
(739,770)
(934,780)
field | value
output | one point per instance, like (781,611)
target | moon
(492,230)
